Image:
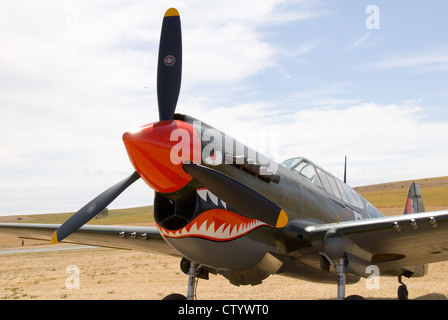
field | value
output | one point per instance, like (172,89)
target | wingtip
(171,12)
(54,238)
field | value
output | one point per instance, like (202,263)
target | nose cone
(158,150)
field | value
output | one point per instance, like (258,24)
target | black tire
(175,296)
(354,297)
(402,293)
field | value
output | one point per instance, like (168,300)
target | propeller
(91,209)
(250,203)
(169,69)
(169,74)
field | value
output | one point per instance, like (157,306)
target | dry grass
(394,194)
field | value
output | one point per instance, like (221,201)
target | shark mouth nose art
(206,197)
(215,225)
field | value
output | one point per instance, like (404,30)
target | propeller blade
(91,209)
(248,202)
(169,69)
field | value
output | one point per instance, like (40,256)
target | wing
(146,239)
(394,244)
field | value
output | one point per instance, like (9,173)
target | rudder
(414,203)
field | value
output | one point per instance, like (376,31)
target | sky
(320,79)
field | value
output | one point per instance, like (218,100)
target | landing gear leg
(192,281)
(402,291)
(194,272)
(341,270)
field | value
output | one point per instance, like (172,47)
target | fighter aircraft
(224,208)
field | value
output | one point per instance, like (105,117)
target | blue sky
(308,76)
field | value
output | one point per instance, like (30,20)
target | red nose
(158,150)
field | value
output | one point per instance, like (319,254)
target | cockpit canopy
(324,180)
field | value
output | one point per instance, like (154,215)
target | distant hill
(129,216)
(424,183)
(390,198)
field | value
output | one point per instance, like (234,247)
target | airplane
(226,209)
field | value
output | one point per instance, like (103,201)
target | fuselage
(208,231)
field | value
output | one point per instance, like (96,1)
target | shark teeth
(203,193)
(217,225)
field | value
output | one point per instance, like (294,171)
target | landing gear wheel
(354,297)
(175,296)
(402,292)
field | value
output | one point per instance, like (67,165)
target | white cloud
(383,142)
(434,60)
(365,41)
(76,74)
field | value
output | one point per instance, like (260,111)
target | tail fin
(414,204)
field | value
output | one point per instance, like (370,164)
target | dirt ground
(111,274)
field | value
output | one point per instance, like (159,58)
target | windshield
(291,162)
(324,180)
